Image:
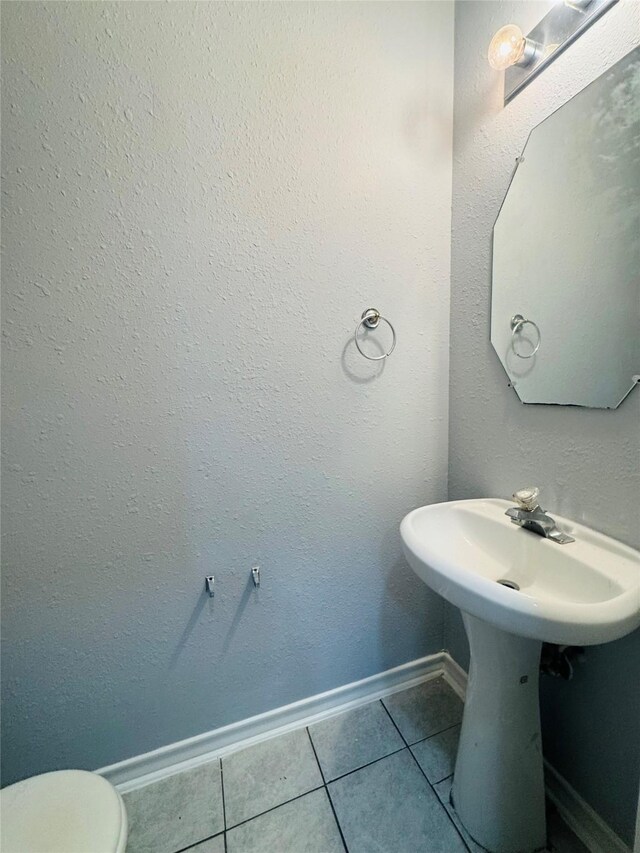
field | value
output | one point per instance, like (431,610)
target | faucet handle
(527,499)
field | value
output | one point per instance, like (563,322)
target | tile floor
(372,780)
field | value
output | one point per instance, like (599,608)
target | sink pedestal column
(498,786)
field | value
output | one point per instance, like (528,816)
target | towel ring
(518,322)
(371,319)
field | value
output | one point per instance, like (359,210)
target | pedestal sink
(516,590)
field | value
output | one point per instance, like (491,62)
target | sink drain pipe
(559,661)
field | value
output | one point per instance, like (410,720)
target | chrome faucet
(530,515)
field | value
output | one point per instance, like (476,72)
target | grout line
(368,764)
(404,741)
(315,754)
(224,822)
(224,807)
(273,808)
(440,803)
(202,841)
(336,820)
(420,740)
(441,732)
(326,790)
(324,785)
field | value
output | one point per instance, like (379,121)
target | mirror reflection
(565,302)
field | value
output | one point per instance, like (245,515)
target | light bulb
(507,47)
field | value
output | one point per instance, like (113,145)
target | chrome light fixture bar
(562,25)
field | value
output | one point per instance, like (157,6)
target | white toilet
(68,811)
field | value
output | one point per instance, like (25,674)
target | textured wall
(200,199)
(586,462)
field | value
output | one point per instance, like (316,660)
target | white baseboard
(455,675)
(185,754)
(595,834)
(141,770)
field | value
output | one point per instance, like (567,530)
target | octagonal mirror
(565,296)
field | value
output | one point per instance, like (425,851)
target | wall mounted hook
(209,583)
(255,574)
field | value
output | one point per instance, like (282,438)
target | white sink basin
(582,593)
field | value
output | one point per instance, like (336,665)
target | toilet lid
(68,811)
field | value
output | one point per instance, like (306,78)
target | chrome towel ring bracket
(371,319)
(517,324)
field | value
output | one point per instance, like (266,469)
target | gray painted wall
(586,462)
(200,200)
(190,235)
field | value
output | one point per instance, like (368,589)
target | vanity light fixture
(523,57)
(577,4)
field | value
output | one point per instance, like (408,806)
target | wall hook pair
(210,581)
